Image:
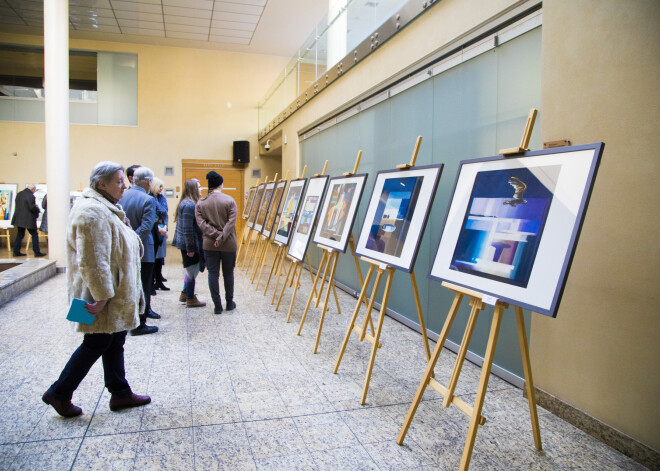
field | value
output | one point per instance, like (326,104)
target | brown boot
(194,302)
(64,408)
(183,298)
(124,402)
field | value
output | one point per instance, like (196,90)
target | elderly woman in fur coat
(103,257)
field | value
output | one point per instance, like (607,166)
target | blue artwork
(393,215)
(502,229)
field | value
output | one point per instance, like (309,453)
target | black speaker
(242,152)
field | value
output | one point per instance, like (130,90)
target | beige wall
(601,63)
(182,113)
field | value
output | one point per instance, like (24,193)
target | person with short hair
(103,268)
(129,173)
(216,216)
(25,218)
(140,209)
(160,233)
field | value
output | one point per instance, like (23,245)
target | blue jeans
(108,346)
(213,261)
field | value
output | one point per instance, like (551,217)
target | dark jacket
(27,210)
(140,209)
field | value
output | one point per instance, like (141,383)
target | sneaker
(182,297)
(144,329)
(153,315)
(231,305)
(124,402)
(194,302)
(64,408)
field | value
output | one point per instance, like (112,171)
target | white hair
(142,175)
(103,172)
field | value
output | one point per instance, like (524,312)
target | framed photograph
(74,196)
(398,210)
(248,202)
(309,210)
(255,205)
(274,208)
(263,206)
(339,210)
(290,210)
(7,203)
(513,224)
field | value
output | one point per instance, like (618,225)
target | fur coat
(103,259)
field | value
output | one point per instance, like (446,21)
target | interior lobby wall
(599,83)
(601,61)
(183,112)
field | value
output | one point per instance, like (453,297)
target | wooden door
(233,177)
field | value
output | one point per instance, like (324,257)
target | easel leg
(257,248)
(356,311)
(263,262)
(334,257)
(261,253)
(481,391)
(420,315)
(276,264)
(332,282)
(286,280)
(295,291)
(249,248)
(374,349)
(430,367)
(311,294)
(241,243)
(370,306)
(279,275)
(325,256)
(529,382)
(477,306)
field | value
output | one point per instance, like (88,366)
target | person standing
(44,220)
(140,209)
(157,188)
(25,217)
(103,259)
(216,217)
(188,239)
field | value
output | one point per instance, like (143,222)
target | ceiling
(275,27)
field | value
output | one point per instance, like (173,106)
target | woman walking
(103,259)
(160,233)
(188,239)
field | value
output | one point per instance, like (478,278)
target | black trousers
(213,261)
(147,276)
(110,347)
(20,233)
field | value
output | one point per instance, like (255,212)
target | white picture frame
(274,209)
(287,221)
(309,211)
(266,198)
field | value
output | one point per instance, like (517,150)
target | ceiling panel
(189,12)
(238,8)
(276,27)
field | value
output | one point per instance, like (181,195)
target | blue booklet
(78,313)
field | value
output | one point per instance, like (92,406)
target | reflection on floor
(242,391)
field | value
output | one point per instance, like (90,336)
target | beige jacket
(216,217)
(103,262)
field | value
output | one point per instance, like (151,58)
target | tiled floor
(242,391)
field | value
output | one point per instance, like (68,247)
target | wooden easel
(4,234)
(477,301)
(251,231)
(329,260)
(262,244)
(280,252)
(297,267)
(246,231)
(270,237)
(362,332)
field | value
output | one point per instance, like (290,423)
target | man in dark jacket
(25,217)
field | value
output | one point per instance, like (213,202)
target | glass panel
(468,111)
(117,91)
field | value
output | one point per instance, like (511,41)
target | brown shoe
(194,302)
(183,298)
(124,402)
(64,408)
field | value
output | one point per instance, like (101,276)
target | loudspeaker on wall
(242,152)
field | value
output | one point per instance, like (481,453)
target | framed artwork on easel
(255,205)
(263,206)
(290,210)
(309,211)
(7,203)
(248,203)
(513,224)
(274,208)
(339,210)
(397,214)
